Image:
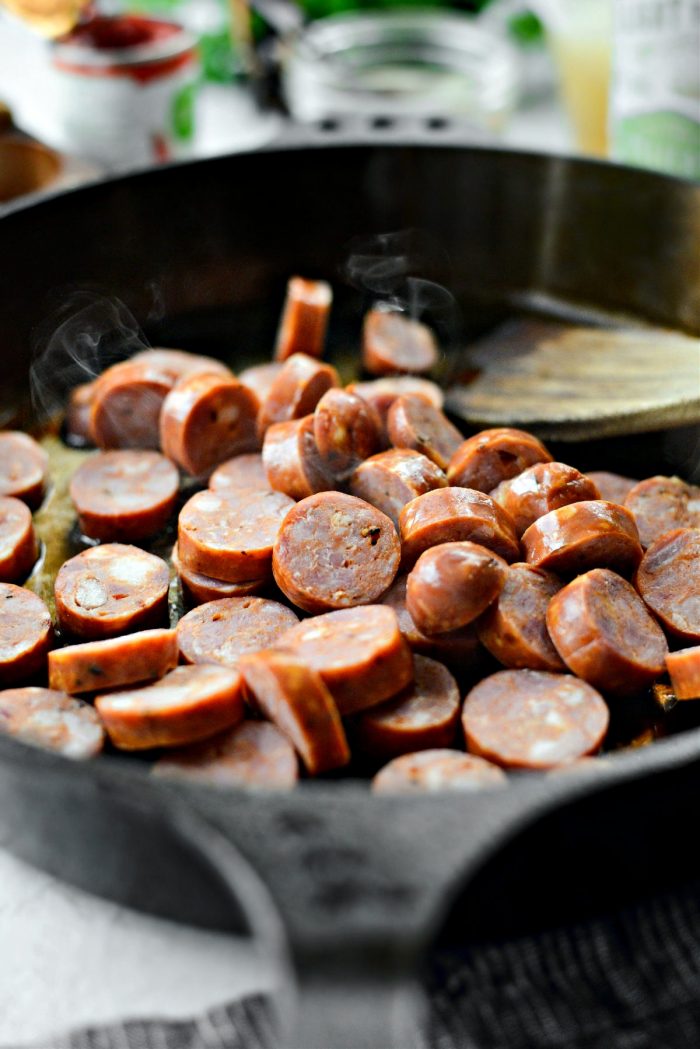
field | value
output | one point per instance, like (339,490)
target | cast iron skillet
(347,890)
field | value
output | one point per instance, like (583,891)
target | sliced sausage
(451,585)
(296,390)
(260,377)
(231,537)
(304,320)
(198,589)
(591,534)
(335,551)
(422,717)
(111,589)
(413,422)
(291,459)
(223,631)
(18,546)
(294,697)
(391,479)
(23,467)
(684,671)
(381,393)
(458,649)
(253,754)
(206,419)
(187,705)
(26,634)
(175,365)
(359,653)
(393,343)
(492,456)
(605,635)
(662,504)
(78,414)
(541,488)
(514,628)
(125,495)
(668,580)
(126,405)
(98,665)
(243,471)
(437,770)
(449,515)
(46,718)
(347,431)
(530,719)
(612,487)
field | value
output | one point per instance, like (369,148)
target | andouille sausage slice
(254,754)
(449,515)
(23,467)
(424,716)
(110,590)
(380,394)
(590,534)
(98,665)
(605,635)
(451,584)
(393,343)
(437,770)
(294,697)
(125,495)
(492,456)
(291,459)
(296,390)
(50,719)
(531,719)
(304,320)
(260,377)
(231,537)
(197,589)
(18,545)
(335,551)
(187,705)
(391,479)
(668,580)
(238,473)
(126,405)
(26,634)
(223,631)
(78,414)
(663,504)
(206,419)
(347,431)
(175,365)
(541,488)
(684,670)
(612,487)
(359,652)
(514,628)
(413,422)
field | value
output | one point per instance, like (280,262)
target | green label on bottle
(183,113)
(662,141)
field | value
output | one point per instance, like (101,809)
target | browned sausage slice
(533,720)
(291,459)
(449,515)
(612,487)
(175,365)
(335,551)
(541,488)
(413,422)
(294,697)
(18,546)
(662,504)
(187,705)
(98,665)
(591,534)
(669,581)
(126,405)
(380,394)
(231,537)
(243,471)
(458,649)
(78,414)
(111,589)
(393,343)
(223,631)
(26,634)
(684,670)
(253,754)
(124,496)
(198,589)
(422,717)
(492,456)
(23,467)
(359,653)
(437,770)
(260,377)
(304,320)
(514,628)
(296,390)
(52,720)
(605,635)
(346,429)
(451,585)
(390,480)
